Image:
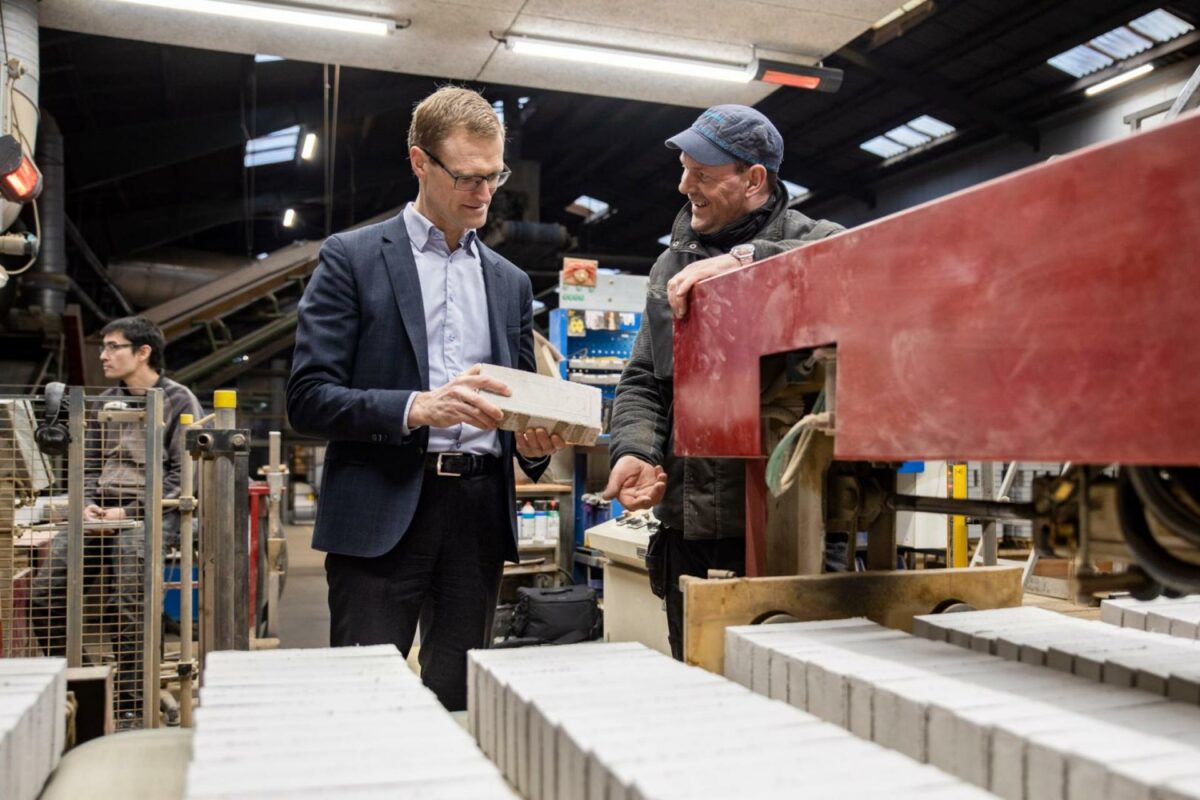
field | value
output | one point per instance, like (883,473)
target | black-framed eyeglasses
(112,347)
(469,183)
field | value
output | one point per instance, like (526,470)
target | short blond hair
(448,109)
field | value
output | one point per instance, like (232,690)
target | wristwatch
(744,253)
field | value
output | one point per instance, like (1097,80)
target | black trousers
(694,557)
(445,572)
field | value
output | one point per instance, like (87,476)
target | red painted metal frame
(1048,315)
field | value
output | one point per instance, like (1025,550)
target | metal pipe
(983,509)
(1010,475)
(75,457)
(152,557)
(51,296)
(187,497)
(988,541)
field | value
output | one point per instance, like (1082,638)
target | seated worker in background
(114,490)
(737,213)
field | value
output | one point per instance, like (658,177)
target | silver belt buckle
(443,472)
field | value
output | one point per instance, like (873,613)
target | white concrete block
(571,410)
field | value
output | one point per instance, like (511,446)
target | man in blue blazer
(417,510)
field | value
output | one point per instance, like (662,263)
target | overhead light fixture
(1117,80)
(310,147)
(283,14)
(629,59)
(289,218)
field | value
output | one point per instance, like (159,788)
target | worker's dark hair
(141,331)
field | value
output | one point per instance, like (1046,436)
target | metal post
(152,557)
(987,544)
(75,457)
(208,559)
(187,500)
(275,537)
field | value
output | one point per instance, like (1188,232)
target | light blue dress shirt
(456,323)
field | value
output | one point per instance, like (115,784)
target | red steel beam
(1048,315)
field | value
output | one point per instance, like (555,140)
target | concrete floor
(303,609)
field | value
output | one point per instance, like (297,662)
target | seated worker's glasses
(469,183)
(112,347)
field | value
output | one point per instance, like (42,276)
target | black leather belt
(460,465)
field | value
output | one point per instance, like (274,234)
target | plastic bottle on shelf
(552,523)
(525,531)
(539,522)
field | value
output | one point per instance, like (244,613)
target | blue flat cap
(724,134)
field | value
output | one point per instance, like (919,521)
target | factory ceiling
(157,106)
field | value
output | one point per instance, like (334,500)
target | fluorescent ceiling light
(1124,77)
(286,15)
(610,57)
(1161,26)
(892,16)
(289,218)
(263,58)
(665,241)
(310,146)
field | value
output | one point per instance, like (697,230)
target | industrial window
(1122,42)
(914,133)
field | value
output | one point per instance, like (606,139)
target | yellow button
(186,419)
(225,398)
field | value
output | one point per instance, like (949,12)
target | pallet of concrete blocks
(1177,616)
(620,721)
(33,720)
(1020,731)
(350,722)
(572,410)
(1152,662)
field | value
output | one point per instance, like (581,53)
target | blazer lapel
(406,287)
(494,288)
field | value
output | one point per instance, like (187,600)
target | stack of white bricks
(33,723)
(1178,616)
(1152,662)
(623,722)
(1018,730)
(346,723)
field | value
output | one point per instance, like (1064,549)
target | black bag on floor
(565,615)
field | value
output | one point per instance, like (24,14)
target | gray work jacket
(705,497)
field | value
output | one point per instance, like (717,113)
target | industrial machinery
(1046,315)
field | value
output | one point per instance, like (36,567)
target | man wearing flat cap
(737,213)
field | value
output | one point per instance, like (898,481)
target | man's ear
(419,161)
(143,353)
(757,179)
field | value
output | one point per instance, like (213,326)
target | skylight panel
(931,126)
(1161,26)
(794,190)
(589,208)
(883,147)
(1121,43)
(274,148)
(1081,60)
(908,136)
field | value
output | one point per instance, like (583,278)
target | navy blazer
(361,351)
